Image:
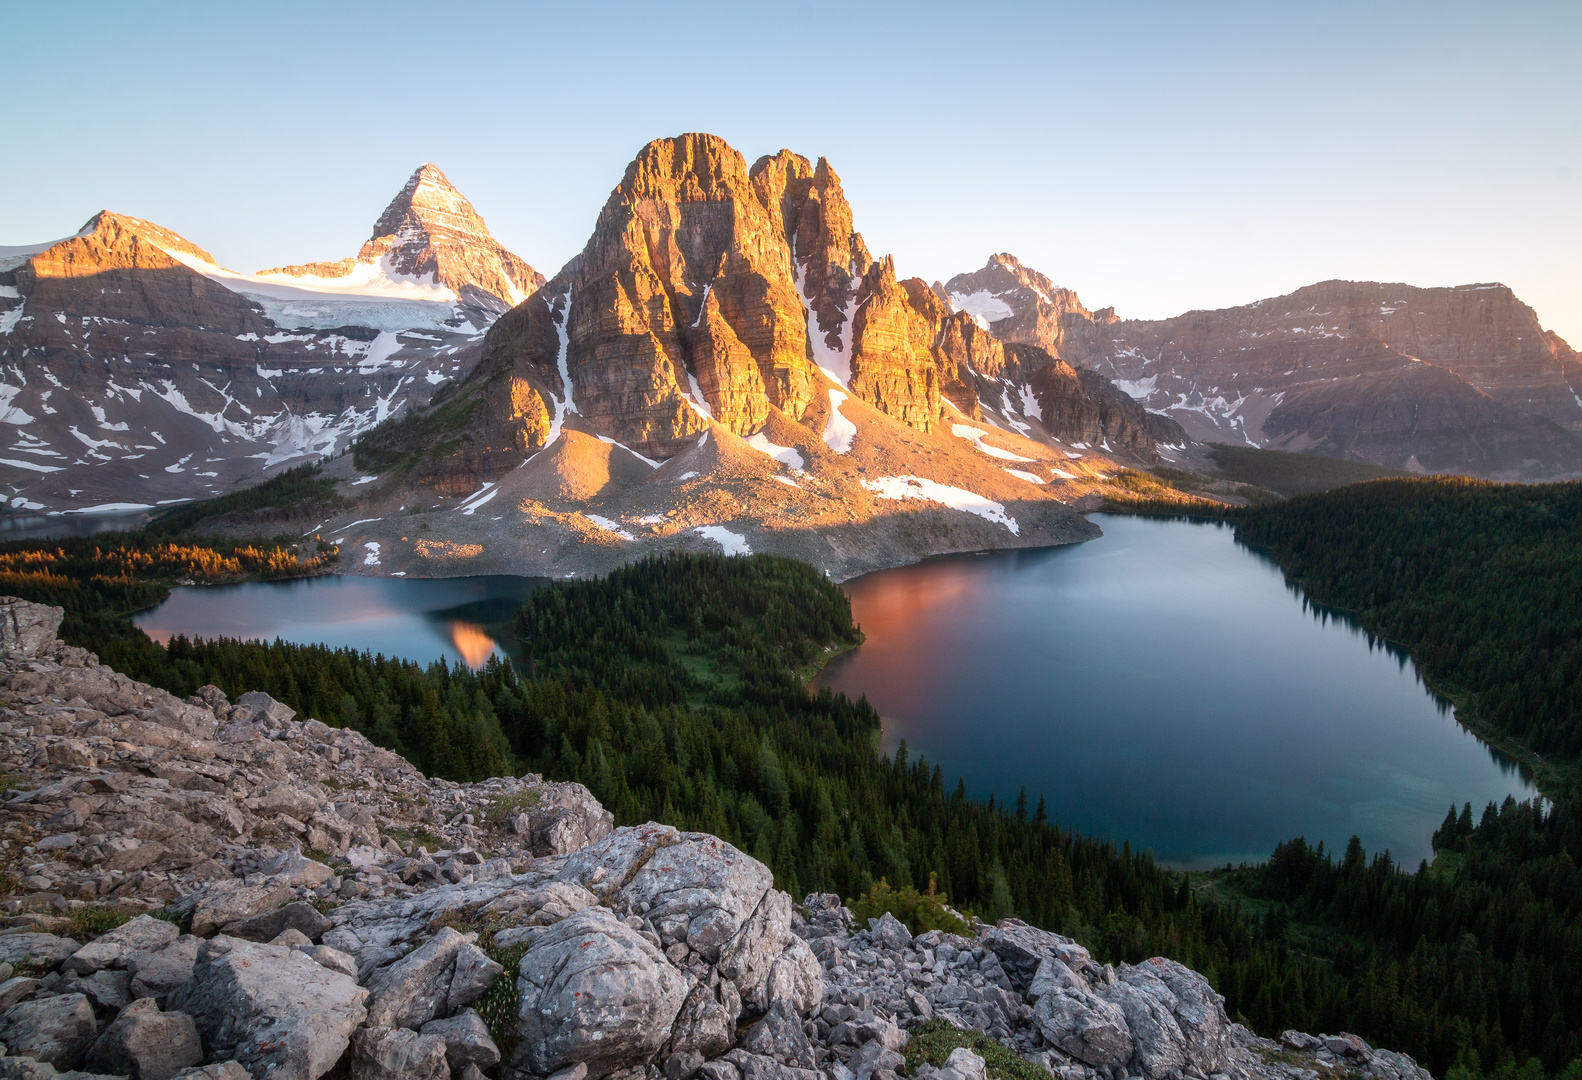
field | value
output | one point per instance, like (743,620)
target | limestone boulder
(595,991)
(385,1053)
(26,628)
(146,1044)
(55,1030)
(142,935)
(272,1009)
(416,988)
(1081,1023)
(227,902)
(467,1040)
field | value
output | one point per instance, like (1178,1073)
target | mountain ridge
(1444,379)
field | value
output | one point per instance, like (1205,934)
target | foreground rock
(636,953)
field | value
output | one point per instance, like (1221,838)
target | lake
(1162,684)
(462,620)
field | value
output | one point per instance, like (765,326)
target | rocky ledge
(305,902)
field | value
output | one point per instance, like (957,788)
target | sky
(1154,157)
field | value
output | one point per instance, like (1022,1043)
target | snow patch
(838,431)
(984,306)
(915,487)
(731,543)
(975,436)
(786,455)
(478,498)
(699,403)
(1031,478)
(650,462)
(609,526)
(1030,406)
(372,558)
(31,466)
(9,413)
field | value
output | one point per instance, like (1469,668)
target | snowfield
(915,487)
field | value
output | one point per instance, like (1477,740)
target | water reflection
(474,645)
(1164,686)
(459,620)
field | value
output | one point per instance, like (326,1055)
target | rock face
(641,952)
(127,270)
(1460,379)
(139,370)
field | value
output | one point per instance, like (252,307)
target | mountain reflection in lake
(463,620)
(1162,685)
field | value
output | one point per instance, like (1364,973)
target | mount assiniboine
(138,371)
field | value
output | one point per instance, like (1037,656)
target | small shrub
(500,1003)
(932,1042)
(920,911)
(8,883)
(503,810)
(96,919)
(182,922)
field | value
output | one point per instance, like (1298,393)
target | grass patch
(96,919)
(501,812)
(8,883)
(417,835)
(1293,474)
(931,1043)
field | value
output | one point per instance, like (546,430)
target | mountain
(1460,379)
(138,371)
(430,231)
(725,364)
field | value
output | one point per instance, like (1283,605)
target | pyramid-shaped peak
(429,201)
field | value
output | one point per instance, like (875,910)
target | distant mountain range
(135,370)
(1460,379)
(724,352)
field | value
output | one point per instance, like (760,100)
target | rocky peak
(1016,302)
(121,267)
(830,257)
(892,358)
(431,232)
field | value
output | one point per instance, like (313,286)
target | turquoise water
(1162,685)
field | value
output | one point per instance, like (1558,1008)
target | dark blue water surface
(1162,685)
(462,620)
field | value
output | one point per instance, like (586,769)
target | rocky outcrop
(1084,408)
(1457,379)
(639,953)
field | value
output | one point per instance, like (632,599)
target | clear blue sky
(1157,157)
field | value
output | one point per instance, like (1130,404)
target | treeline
(1474,965)
(1481,581)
